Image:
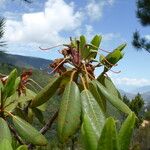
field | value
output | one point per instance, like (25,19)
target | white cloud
(131,81)
(45,26)
(110,36)
(147,37)
(94,8)
(2,3)
(111,2)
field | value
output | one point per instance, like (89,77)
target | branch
(49,123)
(16,135)
(46,127)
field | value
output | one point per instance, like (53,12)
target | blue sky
(49,22)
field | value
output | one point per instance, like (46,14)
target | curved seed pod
(4,131)
(69,112)
(9,86)
(46,93)
(114,100)
(27,132)
(89,136)
(91,108)
(22,147)
(125,133)
(108,139)
(5,145)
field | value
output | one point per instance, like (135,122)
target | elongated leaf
(5,145)
(112,99)
(108,139)
(97,96)
(69,112)
(27,132)
(111,110)
(125,133)
(4,131)
(107,82)
(39,115)
(113,58)
(96,43)
(17,81)
(46,93)
(22,147)
(89,136)
(91,108)
(121,47)
(9,86)
(82,46)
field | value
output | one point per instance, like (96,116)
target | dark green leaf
(89,136)
(95,44)
(27,132)
(112,99)
(125,133)
(39,115)
(5,145)
(69,112)
(4,131)
(108,139)
(46,93)
(91,108)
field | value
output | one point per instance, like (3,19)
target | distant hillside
(129,95)
(142,89)
(25,61)
(145,95)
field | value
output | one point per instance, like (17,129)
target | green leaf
(12,101)
(4,131)
(5,145)
(121,47)
(9,86)
(22,147)
(113,58)
(91,108)
(17,82)
(46,93)
(69,112)
(95,44)
(125,133)
(107,82)
(29,133)
(108,139)
(114,100)
(39,115)
(89,136)
(82,46)
(93,89)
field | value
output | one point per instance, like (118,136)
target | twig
(49,123)
(16,135)
(58,65)
(46,127)
(44,49)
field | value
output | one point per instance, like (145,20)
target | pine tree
(137,104)
(143,14)
(126,100)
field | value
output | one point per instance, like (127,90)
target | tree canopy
(143,14)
